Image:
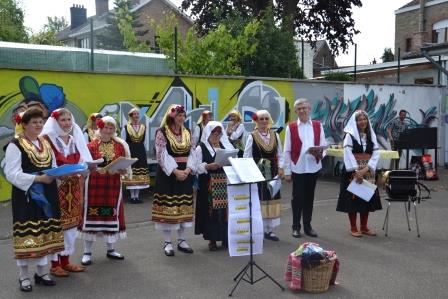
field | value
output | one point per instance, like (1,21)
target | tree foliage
(123,30)
(338,76)
(387,55)
(47,35)
(310,20)
(216,53)
(11,22)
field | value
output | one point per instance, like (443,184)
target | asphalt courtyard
(398,266)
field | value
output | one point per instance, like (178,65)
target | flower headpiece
(254,117)
(93,117)
(176,110)
(18,118)
(55,114)
(100,123)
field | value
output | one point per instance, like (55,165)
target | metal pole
(354,68)
(303,59)
(92,66)
(398,65)
(175,49)
(438,73)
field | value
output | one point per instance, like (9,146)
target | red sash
(296,142)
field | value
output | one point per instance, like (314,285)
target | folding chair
(403,186)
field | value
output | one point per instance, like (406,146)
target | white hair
(300,101)
(261,113)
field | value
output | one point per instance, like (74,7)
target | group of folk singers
(49,213)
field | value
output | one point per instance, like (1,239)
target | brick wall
(406,26)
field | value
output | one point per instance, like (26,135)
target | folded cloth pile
(308,254)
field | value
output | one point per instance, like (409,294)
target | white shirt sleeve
(165,161)
(123,133)
(238,133)
(200,165)
(323,141)
(373,162)
(349,159)
(86,137)
(196,132)
(192,160)
(287,152)
(13,168)
(248,148)
(280,156)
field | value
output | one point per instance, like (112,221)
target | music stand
(248,269)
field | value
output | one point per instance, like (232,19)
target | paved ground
(398,266)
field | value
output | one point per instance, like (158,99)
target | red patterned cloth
(103,209)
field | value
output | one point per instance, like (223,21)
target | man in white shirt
(302,164)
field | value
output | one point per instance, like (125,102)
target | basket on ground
(316,279)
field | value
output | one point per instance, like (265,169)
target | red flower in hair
(176,110)
(18,119)
(100,123)
(254,117)
(93,117)
(55,114)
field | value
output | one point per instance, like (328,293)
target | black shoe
(311,233)
(271,236)
(296,233)
(183,249)
(168,252)
(112,254)
(24,288)
(46,282)
(137,200)
(132,201)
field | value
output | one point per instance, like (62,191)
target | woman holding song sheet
(211,200)
(103,208)
(265,147)
(361,155)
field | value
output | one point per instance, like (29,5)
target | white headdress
(352,128)
(53,130)
(211,125)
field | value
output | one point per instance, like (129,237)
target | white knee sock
(88,246)
(136,193)
(23,272)
(110,246)
(181,236)
(167,237)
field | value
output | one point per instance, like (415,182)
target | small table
(384,154)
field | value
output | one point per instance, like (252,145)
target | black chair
(403,186)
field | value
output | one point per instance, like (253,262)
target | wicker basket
(316,279)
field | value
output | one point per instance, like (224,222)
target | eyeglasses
(263,118)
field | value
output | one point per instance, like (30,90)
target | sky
(375,19)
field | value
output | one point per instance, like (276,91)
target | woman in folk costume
(91,129)
(235,131)
(211,201)
(361,155)
(37,230)
(172,208)
(69,147)
(205,117)
(134,134)
(103,205)
(265,147)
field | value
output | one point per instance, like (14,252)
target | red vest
(296,143)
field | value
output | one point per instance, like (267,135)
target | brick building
(420,22)
(78,33)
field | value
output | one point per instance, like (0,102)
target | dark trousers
(303,186)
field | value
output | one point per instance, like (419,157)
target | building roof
(100,22)
(415,4)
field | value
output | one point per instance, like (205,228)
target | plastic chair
(403,186)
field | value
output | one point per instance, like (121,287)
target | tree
(310,20)
(11,22)
(338,76)
(47,36)
(123,30)
(216,53)
(276,54)
(387,55)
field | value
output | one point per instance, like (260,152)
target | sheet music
(274,185)
(223,155)
(365,190)
(119,164)
(247,170)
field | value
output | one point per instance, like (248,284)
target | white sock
(42,272)
(88,246)
(23,273)
(110,246)
(136,193)
(167,237)
(181,235)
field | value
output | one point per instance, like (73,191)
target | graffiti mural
(116,94)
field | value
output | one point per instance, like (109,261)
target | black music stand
(418,138)
(248,269)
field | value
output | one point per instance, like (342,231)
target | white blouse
(237,133)
(13,167)
(349,159)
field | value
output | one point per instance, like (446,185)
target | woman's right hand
(180,175)
(43,178)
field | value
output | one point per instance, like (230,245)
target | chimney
(78,16)
(101,6)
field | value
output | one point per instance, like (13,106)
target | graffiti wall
(115,95)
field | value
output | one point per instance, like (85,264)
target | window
(439,32)
(85,43)
(428,80)
(408,44)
